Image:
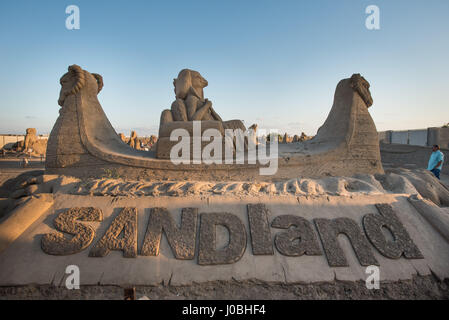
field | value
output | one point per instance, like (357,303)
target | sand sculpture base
(259,247)
(143,233)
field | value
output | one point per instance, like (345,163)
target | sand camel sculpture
(83,142)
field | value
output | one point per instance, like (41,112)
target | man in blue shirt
(436,161)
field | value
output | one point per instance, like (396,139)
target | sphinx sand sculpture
(190,105)
(83,142)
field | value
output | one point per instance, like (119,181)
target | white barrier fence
(418,137)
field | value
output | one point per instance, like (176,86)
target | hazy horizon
(272,63)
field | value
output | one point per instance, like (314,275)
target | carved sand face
(67,82)
(361,86)
(74,80)
(188,80)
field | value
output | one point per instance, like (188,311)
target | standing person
(436,161)
(25,162)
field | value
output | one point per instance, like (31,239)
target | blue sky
(275,63)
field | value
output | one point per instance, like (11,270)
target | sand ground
(419,288)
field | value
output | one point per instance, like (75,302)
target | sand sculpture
(30,138)
(287,138)
(253,135)
(32,143)
(301,138)
(304,137)
(122,137)
(153,139)
(134,141)
(190,105)
(84,143)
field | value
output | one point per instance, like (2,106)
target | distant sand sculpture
(153,140)
(83,142)
(304,137)
(32,143)
(122,137)
(134,141)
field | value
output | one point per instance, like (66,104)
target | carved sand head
(31,131)
(361,86)
(74,80)
(189,81)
